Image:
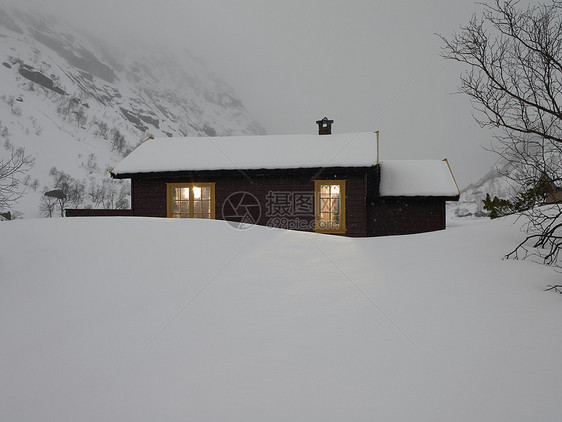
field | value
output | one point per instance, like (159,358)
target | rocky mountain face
(470,204)
(78,106)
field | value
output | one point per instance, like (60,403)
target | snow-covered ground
(133,319)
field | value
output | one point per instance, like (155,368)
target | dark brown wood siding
(367,214)
(404,215)
(149,193)
(148,197)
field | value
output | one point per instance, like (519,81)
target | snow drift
(133,319)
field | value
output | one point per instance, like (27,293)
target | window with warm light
(191,200)
(329,206)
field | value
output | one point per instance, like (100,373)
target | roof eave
(162,173)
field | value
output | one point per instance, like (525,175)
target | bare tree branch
(13,165)
(514,80)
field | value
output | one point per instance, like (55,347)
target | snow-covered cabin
(327,183)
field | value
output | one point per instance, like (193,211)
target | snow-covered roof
(417,178)
(398,178)
(251,152)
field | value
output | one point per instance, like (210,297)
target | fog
(368,65)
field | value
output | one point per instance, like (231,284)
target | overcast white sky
(368,65)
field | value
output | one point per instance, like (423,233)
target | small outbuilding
(327,183)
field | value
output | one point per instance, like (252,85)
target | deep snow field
(135,319)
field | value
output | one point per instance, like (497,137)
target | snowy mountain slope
(470,203)
(65,95)
(134,319)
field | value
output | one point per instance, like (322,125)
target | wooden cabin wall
(149,192)
(405,215)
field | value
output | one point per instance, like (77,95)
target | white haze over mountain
(78,105)
(367,65)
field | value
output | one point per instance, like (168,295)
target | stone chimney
(324,126)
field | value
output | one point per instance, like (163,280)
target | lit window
(329,206)
(191,200)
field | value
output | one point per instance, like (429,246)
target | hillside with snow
(470,204)
(78,105)
(134,319)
